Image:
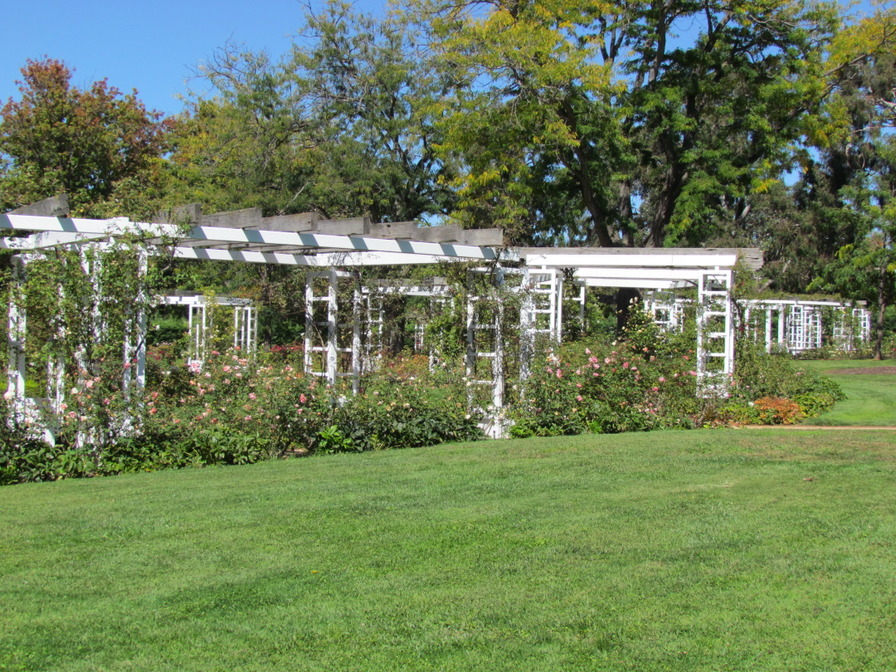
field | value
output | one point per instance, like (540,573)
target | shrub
(777,411)
(759,374)
(771,388)
(644,383)
(24,455)
(815,403)
(398,410)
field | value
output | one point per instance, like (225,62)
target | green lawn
(704,550)
(870,398)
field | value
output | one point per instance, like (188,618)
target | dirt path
(838,428)
(866,370)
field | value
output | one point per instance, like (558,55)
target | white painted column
(356,338)
(309,325)
(527,325)
(782,327)
(332,327)
(16,369)
(498,360)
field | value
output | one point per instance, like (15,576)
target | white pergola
(333,248)
(710,272)
(200,317)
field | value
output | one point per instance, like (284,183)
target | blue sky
(149,46)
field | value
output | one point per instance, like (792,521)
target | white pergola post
(16,370)
(373,346)
(357,350)
(527,326)
(715,333)
(310,326)
(135,344)
(245,328)
(557,279)
(498,359)
(328,349)
(815,335)
(471,347)
(198,323)
(782,327)
(332,328)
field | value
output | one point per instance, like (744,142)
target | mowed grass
(704,550)
(870,398)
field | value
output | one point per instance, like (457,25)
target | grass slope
(870,398)
(706,550)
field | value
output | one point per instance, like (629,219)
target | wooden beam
(55,206)
(491,237)
(395,230)
(183,214)
(439,234)
(303,221)
(359,226)
(234,219)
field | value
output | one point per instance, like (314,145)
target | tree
(532,120)
(371,88)
(655,121)
(866,268)
(244,146)
(97,145)
(344,126)
(858,163)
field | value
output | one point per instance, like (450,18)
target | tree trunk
(625,298)
(598,216)
(665,207)
(881,311)
(579,163)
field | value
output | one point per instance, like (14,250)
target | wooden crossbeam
(55,206)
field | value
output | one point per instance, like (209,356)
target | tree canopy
(99,146)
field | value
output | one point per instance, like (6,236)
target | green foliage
(343,127)
(583,124)
(239,411)
(405,414)
(815,403)
(167,330)
(100,147)
(760,374)
(773,389)
(332,440)
(24,455)
(642,383)
(373,93)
